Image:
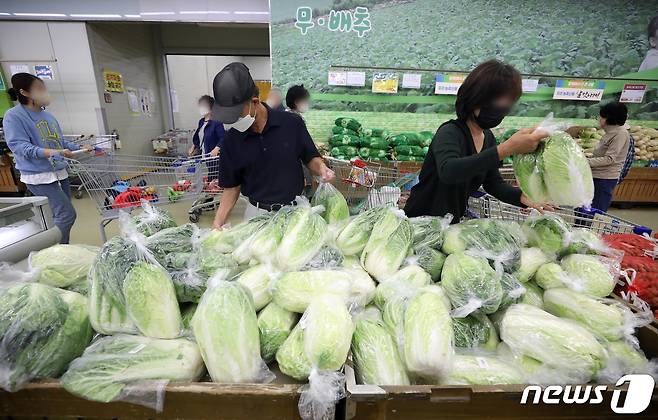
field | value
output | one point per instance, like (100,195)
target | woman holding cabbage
(463,155)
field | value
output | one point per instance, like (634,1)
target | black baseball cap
(232,87)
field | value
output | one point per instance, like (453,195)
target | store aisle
(86,228)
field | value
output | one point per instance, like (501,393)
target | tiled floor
(86,229)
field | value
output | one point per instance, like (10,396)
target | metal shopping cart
(370,184)
(101,144)
(119,182)
(482,205)
(176,142)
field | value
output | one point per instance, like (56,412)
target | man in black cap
(263,149)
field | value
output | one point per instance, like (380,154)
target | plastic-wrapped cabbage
(512,290)
(388,245)
(41,330)
(497,240)
(152,219)
(471,284)
(550,276)
(257,280)
(567,174)
(63,265)
(291,357)
(589,274)
(430,260)
(529,176)
(549,232)
(107,303)
(295,290)
(623,359)
(375,354)
(212,264)
(151,301)
(406,280)
(263,244)
(354,237)
(561,344)
(328,332)
(304,235)
(227,240)
(171,240)
(133,368)
(186,314)
(475,331)
(533,370)
(531,260)
(335,205)
(363,287)
(585,241)
(604,317)
(226,328)
(429,231)
(428,336)
(533,295)
(482,370)
(326,257)
(274,325)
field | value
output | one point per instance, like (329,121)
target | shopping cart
(482,205)
(175,142)
(119,182)
(370,184)
(101,145)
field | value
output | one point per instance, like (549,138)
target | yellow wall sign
(113,81)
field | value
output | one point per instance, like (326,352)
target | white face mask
(203,111)
(243,123)
(303,107)
(41,97)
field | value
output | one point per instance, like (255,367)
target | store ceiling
(249,11)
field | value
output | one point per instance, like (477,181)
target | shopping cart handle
(591,211)
(641,230)
(80,151)
(478,194)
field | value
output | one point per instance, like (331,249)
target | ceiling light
(156,13)
(41,14)
(132,16)
(4,14)
(240,12)
(99,15)
(204,12)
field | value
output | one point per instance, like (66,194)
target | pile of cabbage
(410,300)
(557,172)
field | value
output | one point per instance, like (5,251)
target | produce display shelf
(639,186)
(190,400)
(418,402)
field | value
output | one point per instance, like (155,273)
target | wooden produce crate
(639,186)
(198,400)
(8,183)
(419,402)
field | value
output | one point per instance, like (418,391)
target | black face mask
(491,115)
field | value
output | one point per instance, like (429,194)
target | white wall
(65,47)
(129,49)
(191,76)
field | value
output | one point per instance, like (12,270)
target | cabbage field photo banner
(607,42)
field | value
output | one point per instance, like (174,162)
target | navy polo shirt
(268,165)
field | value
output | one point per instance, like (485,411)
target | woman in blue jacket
(208,137)
(35,138)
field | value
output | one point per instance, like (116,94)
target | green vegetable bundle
(342,130)
(344,151)
(375,132)
(406,139)
(375,143)
(410,150)
(344,140)
(349,123)
(374,154)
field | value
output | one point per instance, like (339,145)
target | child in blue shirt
(35,138)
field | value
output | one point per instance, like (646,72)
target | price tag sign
(529,85)
(579,90)
(411,80)
(633,93)
(337,78)
(384,83)
(448,84)
(113,81)
(356,78)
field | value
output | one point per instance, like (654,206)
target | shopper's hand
(67,153)
(87,148)
(327,175)
(540,207)
(218,225)
(214,152)
(191,151)
(525,140)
